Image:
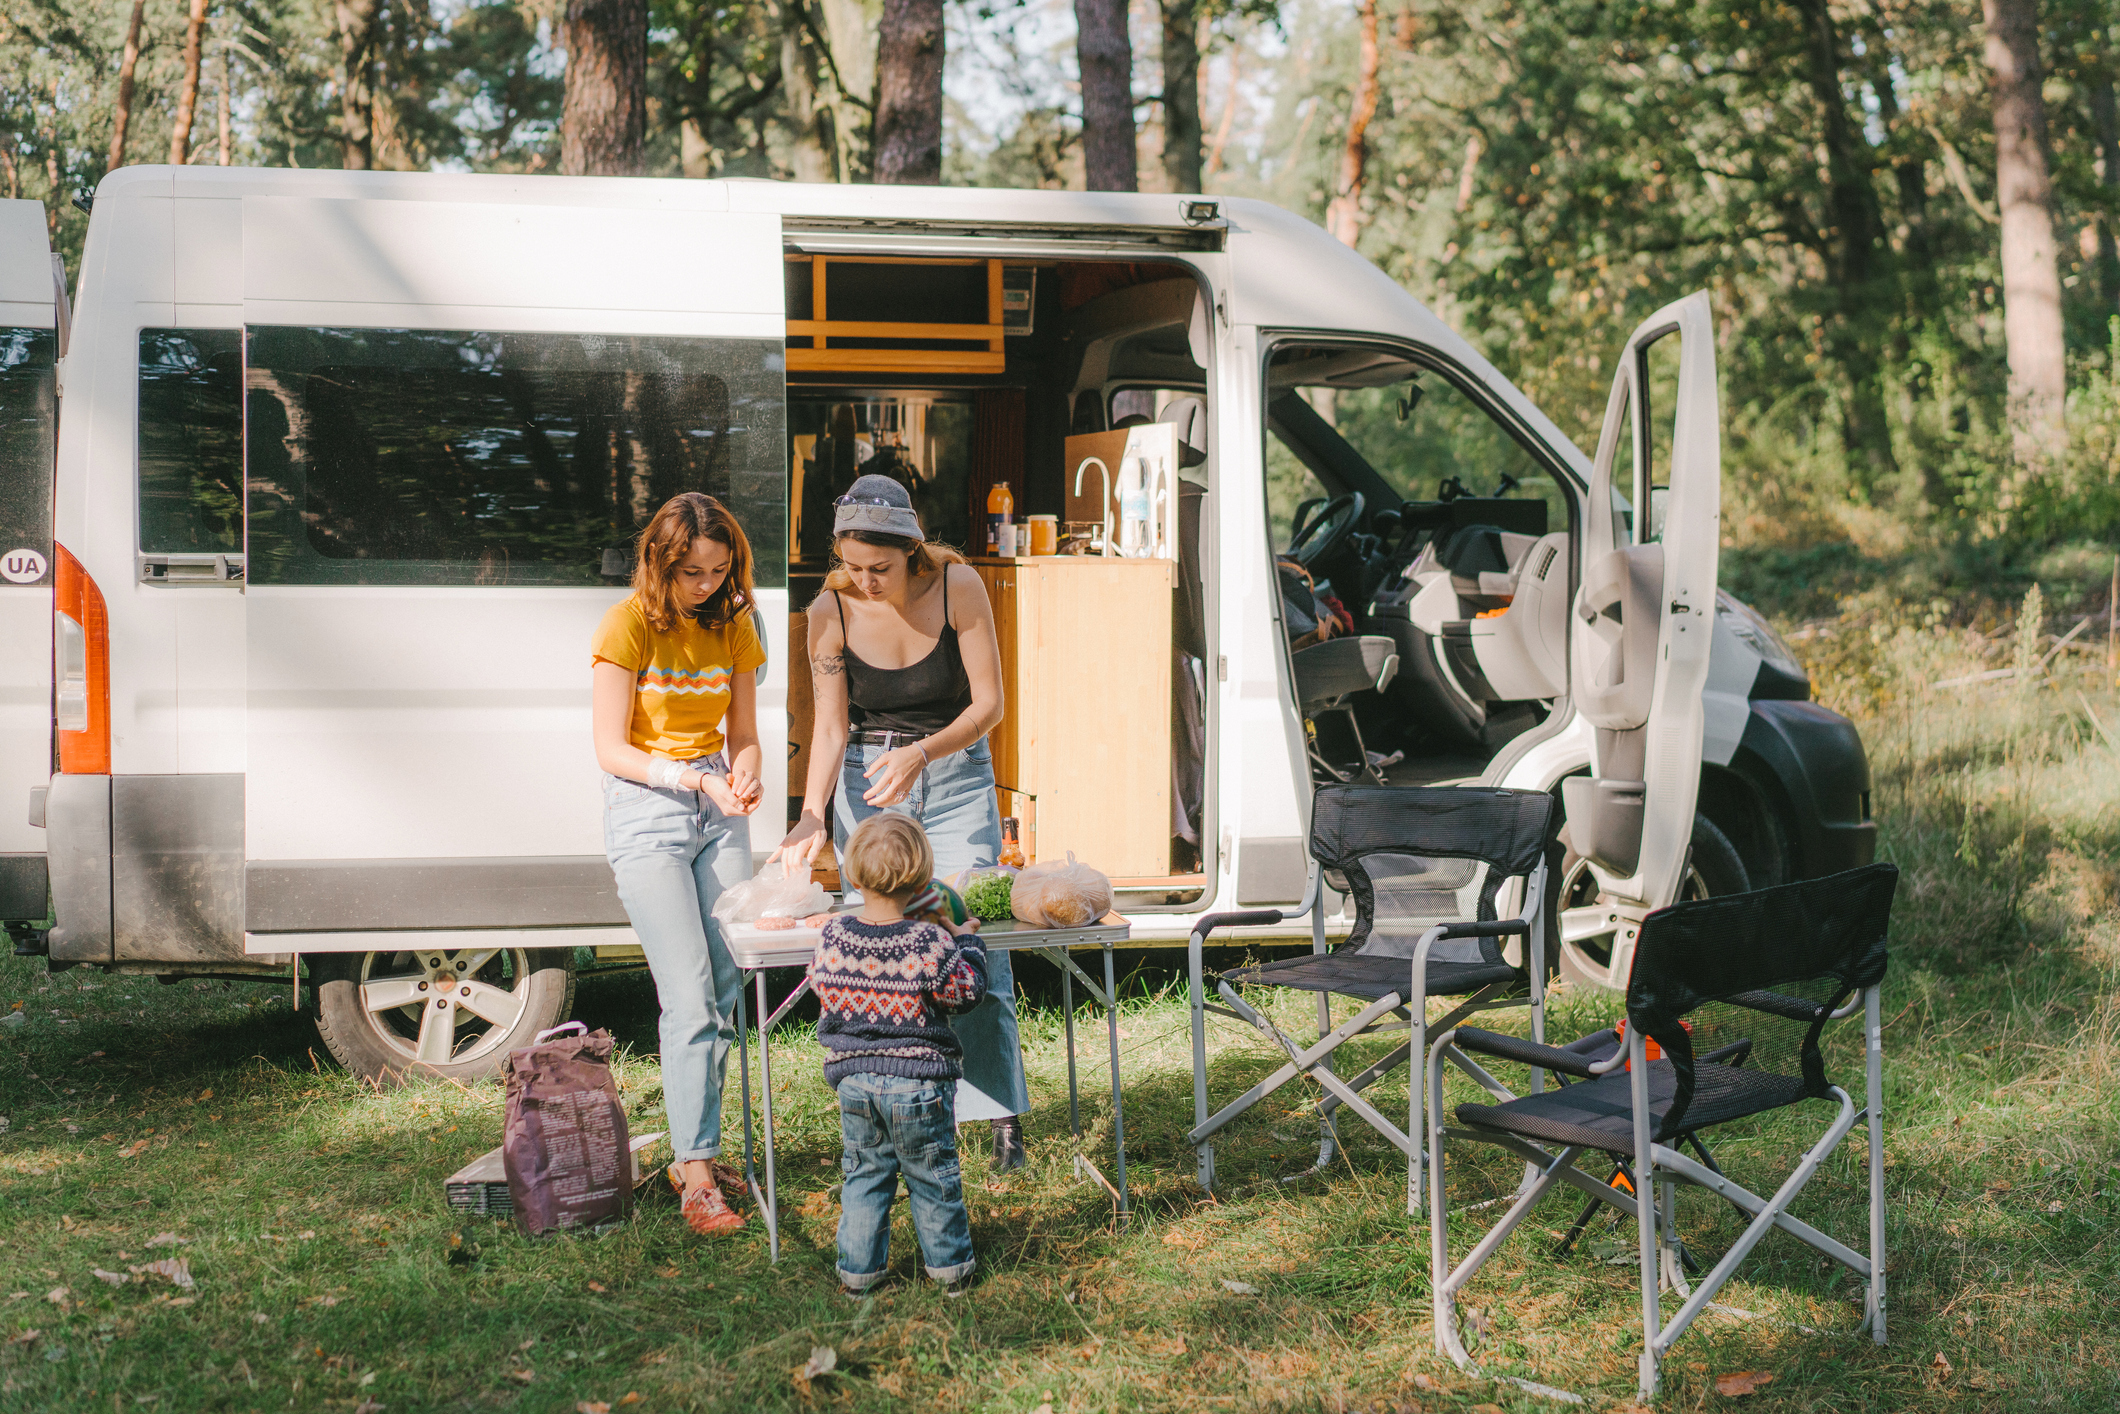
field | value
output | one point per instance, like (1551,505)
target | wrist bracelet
(925,759)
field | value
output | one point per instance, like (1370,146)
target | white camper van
(310,512)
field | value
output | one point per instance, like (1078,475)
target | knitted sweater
(884,990)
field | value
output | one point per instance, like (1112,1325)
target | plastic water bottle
(1133,508)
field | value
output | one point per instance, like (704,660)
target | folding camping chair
(1734,993)
(1409,857)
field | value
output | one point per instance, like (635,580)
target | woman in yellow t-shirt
(676,728)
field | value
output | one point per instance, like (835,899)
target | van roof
(1285,272)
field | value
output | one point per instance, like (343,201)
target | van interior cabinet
(1085,732)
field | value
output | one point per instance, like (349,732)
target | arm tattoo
(829,666)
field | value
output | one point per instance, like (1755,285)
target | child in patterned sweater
(885,985)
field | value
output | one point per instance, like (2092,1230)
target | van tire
(1714,869)
(522,991)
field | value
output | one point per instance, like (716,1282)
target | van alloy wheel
(387,1015)
(1588,925)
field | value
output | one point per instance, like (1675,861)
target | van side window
(396,456)
(191,441)
(27,422)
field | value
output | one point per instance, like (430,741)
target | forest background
(1904,210)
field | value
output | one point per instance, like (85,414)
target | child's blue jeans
(891,1125)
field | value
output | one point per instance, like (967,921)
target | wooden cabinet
(1085,731)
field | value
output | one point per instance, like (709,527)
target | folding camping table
(757,949)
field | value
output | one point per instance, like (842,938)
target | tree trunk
(1852,243)
(813,145)
(908,145)
(9,172)
(122,118)
(1181,94)
(2031,282)
(227,60)
(605,114)
(188,95)
(1343,217)
(2104,114)
(356,20)
(1105,54)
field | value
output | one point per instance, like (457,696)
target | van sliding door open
(458,417)
(29,419)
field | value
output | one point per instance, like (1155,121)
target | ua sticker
(22,567)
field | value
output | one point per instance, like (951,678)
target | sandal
(706,1210)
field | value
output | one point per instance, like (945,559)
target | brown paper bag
(564,1142)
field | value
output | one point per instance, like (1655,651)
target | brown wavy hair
(923,557)
(684,518)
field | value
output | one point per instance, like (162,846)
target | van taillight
(81,638)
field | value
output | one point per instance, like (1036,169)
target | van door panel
(29,349)
(419,607)
(1644,616)
(177,868)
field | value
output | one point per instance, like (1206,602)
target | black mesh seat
(1423,869)
(1726,1001)
(1599,1114)
(1370,978)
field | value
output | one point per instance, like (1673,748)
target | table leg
(1111,1022)
(743,1080)
(765,1095)
(1067,1013)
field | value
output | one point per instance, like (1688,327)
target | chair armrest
(1493,927)
(1778,1004)
(1246,919)
(1516,1048)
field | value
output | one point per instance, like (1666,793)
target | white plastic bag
(1059,895)
(771,895)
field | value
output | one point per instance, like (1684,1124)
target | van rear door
(1643,619)
(30,296)
(458,414)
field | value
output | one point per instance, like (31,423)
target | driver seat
(1328,675)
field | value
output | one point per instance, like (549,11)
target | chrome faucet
(1083,466)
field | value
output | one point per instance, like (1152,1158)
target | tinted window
(191,441)
(392,456)
(28,418)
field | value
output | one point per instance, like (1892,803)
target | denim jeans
(954,802)
(891,1125)
(673,852)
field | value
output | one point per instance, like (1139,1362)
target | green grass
(314,1221)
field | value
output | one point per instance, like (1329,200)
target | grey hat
(878,505)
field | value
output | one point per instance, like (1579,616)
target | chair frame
(1394,1012)
(1657,1171)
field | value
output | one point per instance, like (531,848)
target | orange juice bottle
(1000,511)
(1011,843)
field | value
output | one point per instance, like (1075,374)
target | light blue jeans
(673,852)
(954,802)
(889,1126)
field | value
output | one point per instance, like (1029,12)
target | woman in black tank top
(906,675)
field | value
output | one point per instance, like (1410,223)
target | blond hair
(922,557)
(888,855)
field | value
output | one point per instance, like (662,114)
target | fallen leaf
(170,1269)
(1742,1382)
(304,1236)
(818,1204)
(666,1272)
(522,1376)
(260,1318)
(69,1223)
(23,1337)
(592,1406)
(597,1287)
(114,1278)
(206,1094)
(1940,1365)
(59,1295)
(823,1360)
(1240,1288)
(133,1150)
(631,1396)
(369,1406)
(1429,1382)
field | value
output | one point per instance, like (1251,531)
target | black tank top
(919,699)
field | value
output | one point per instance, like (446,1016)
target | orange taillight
(81,669)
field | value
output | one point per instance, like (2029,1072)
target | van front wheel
(389,1016)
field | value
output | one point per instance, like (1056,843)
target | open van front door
(30,306)
(458,417)
(1642,623)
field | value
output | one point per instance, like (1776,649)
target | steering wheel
(1317,536)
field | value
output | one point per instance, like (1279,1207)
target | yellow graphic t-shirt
(681,678)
